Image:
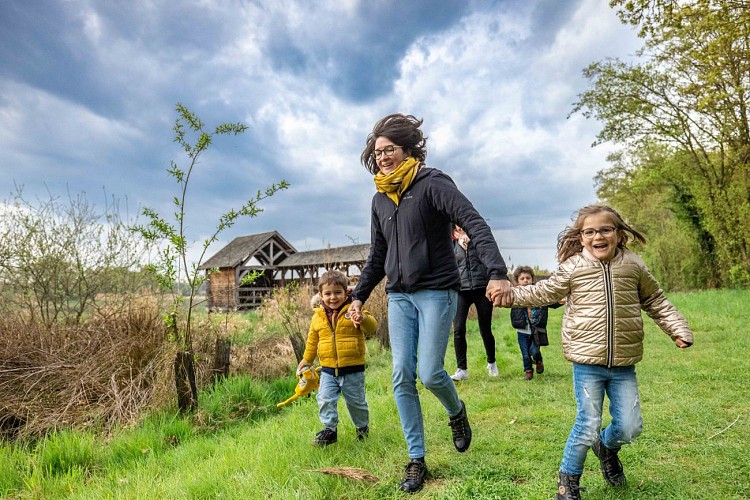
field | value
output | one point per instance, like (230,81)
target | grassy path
(695,404)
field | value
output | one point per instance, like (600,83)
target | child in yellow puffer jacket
(340,346)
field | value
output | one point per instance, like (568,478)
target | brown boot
(567,487)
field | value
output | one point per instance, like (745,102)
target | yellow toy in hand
(309,380)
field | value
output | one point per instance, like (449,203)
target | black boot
(416,472)
(567,487)
(611,465)
(363,433)
(461,430)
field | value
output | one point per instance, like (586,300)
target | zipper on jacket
(609,296)
(468,267)
(398,259)
(333,341)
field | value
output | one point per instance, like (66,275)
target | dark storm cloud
(358,56)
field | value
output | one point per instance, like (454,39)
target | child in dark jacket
(522,318)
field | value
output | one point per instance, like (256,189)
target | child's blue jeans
(591,383)
(352,386)
(530,352)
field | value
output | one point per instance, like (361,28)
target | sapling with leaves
(172,264)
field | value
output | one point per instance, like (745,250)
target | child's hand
(302,365)
(355,312)
(681,343)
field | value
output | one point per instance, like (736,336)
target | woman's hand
(498,292)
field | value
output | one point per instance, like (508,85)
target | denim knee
(431,380)
(625,432)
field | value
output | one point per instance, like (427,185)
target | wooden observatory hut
(245,254)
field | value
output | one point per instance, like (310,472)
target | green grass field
(695,402)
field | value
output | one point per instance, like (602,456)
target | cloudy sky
(88,92)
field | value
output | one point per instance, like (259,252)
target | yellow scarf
(398,181)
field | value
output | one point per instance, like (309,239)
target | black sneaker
(461,430)
(416,472)
(325,437)
(611,466)
(363,433)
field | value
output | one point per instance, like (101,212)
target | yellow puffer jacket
(602,324)
(342,348)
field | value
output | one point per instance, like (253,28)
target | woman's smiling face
(600,246)
(388,163)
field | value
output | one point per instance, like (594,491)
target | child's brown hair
(569,240)
(333,277)
(517,272)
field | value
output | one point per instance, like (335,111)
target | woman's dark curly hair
(402,130)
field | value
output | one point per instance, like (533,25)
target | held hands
(498,292)
(355,312)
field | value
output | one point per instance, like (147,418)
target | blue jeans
(352,386)
(591,383)
(530,352)
(419,325)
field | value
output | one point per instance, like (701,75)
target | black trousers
(484,315)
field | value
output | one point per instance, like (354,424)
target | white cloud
(494,95)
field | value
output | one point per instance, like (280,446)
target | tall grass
(694,445)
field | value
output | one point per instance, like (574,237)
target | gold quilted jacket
(602,324)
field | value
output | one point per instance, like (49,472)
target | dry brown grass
(102,372)
(96,373)
(266,358)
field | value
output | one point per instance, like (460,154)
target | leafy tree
(679,252)
(690,95)
(58,258)
(173,264)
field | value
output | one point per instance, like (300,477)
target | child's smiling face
(600,246)
(333,295)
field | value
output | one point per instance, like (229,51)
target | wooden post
(221,359)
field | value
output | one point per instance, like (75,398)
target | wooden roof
(339,255)
(242,248)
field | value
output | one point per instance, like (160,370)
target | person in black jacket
(412,219)
(473,285)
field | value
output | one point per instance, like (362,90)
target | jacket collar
(586,254)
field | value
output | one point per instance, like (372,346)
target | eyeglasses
(388,151)
(590,232)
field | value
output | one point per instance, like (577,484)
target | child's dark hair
(333,277)
(569,240)
(517,272)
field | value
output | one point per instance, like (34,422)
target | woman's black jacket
(411,243)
